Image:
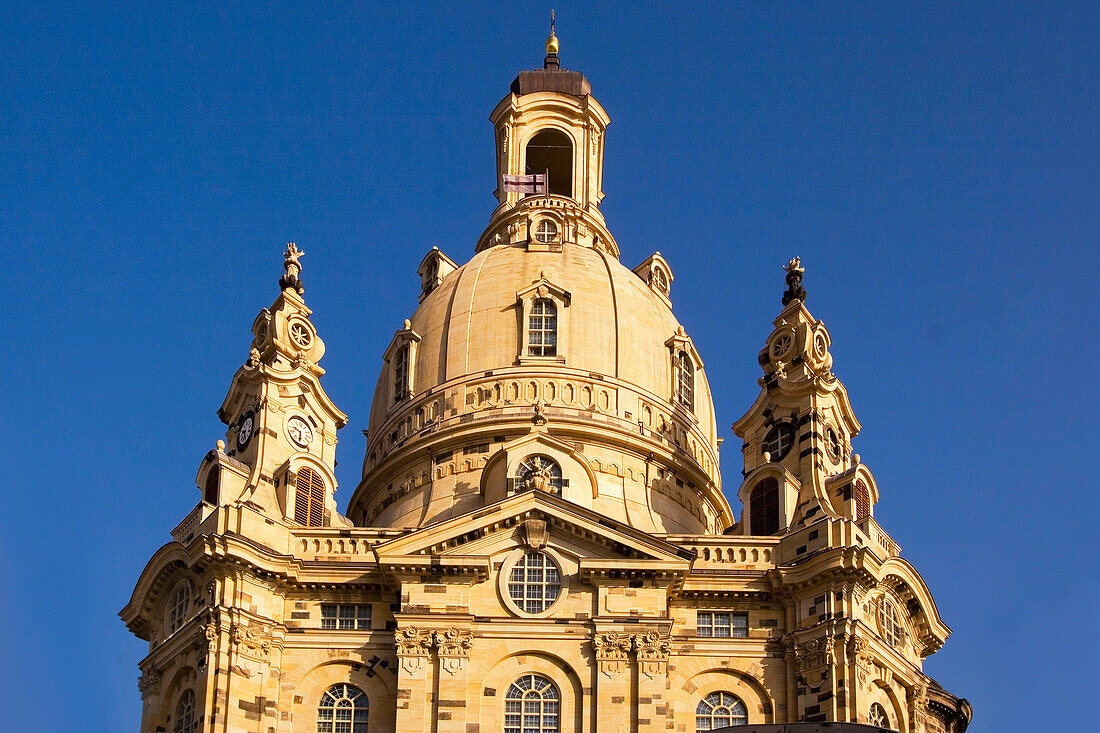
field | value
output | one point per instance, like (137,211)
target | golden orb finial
(552,41)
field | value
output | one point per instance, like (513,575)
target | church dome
(543,354)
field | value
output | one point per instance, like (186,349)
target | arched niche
(551,150)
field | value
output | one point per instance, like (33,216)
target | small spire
(291,278)
(795,291)
(551,61)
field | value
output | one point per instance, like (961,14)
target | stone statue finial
(794,282)
(293,268)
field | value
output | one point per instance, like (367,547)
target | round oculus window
(534,582)
(778,440)
(821,347)
(782,344)
(299,432)
(300,335)
(546,231)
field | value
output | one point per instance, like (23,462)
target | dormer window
(178,607)
(685,381)
(551,151)
(210,491)
(542,329)
(661,280)
(401,374)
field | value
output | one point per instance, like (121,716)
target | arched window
(889,623)
(532,705)
(343,709)
(401,374)
(539,473)
(534,583)
(720,710)
(542,329)
(185,713)
(661,280)
(764,508)
(551,150)
(177,609)
(210,491)
(685,381)
(309,498)
(877,716)
(778,440)
(863,501)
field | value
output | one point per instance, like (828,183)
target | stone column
(612,694)
(652,649)
(413,706)
(453,647)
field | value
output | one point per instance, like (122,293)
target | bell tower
(550,125)
(799,464)
(282,426)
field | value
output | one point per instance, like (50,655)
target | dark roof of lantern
(551,79)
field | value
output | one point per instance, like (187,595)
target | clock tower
(279,452)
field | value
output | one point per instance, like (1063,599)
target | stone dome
(609,393)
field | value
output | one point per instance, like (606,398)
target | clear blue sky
(935,168)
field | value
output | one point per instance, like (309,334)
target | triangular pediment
(595,540)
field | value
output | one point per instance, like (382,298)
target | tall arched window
(863,501)
(764,508)
(551,150)
(720,710)
(532,705)
(401,374)
(210,491)
(542,329)
(889,623)
(309,498)
(343,709)
(685,381)
(177,609)
(185,713)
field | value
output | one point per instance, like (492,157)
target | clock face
(299,432)
(244,430)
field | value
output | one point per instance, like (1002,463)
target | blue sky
(935,167)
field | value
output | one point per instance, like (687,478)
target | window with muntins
(309,498)
(685,381)
(778,440)
(177,612)
(534,583)
(343,709)
(345,616)
(720,710)
(722,624)
(532,705)
(401,374)
(764,508)
(185,713)
(889,623)
(542,329)
(877,716)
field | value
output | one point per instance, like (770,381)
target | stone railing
(185,530)
(878,537)
(729,551)
(352,544)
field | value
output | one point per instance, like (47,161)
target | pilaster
(413,648)
(652,650)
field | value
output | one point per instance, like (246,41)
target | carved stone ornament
(812,654)
(653,649)
(292,267)
(859,654)
(149,682)
(453,646)
(252,641)
(612,650)
(536,533)
(794,291)
(413,645)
